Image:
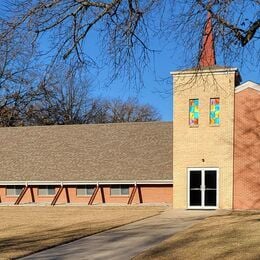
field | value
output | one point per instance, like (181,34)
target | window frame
(120,187)
(15,188)
(46,187)
(85,188)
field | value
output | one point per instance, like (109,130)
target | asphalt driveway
(127,241)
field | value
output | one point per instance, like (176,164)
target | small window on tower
(194,112)
(214,111)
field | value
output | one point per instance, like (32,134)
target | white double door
(203,188)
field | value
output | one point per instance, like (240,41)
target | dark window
(85,190)
(119,190)
(46,190)
(14,190)
(211,179)
(195,198)
(211,188)
(195,179)
(210,198)
(195,187)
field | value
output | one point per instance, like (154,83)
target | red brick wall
(247,150)
(149,194)
(26,198)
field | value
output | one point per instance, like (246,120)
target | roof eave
(247,85)
(92,182)
(203,71)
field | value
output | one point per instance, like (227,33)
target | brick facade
(247,150)
(204,146)
(147,194)
(141,151)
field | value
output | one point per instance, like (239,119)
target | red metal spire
(207,55)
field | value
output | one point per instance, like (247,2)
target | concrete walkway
(127,241)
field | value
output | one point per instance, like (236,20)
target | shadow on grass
(36,241)
(227,237)
(23,245)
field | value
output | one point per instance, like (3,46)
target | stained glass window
(194,112)
(214,111)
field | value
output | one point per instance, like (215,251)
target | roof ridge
(88,125)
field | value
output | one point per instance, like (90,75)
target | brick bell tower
(203,131)
(207,53)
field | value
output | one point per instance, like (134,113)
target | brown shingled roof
(104,152)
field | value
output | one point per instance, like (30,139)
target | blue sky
(157,89)
(172,56)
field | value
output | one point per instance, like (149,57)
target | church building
(208,158)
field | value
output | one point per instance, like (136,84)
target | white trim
(203,193)
(203,71)
(246,85)
(58,183)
